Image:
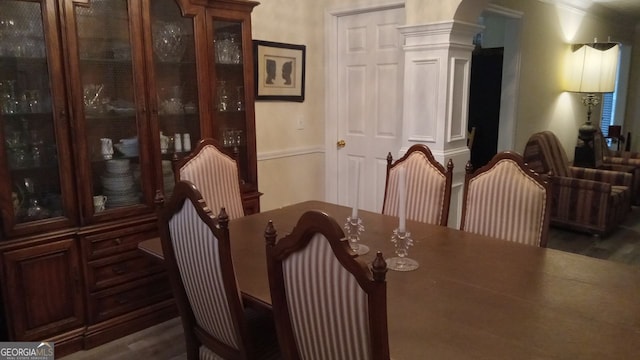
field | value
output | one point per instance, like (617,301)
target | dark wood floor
(623,245)
(165,341)
(160,342)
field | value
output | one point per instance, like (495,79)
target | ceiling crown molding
(582,5)
(593,7)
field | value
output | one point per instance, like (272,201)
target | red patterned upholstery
(582,199)
(327,304)
(215,174)
(198,260)
(507,200)
(428,186)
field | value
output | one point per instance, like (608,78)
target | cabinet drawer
(118,241)
(119,300)
(118,269)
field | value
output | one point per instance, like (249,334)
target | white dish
(118,166)
(117,183)
(129,141)
(123,193)
(124,112)
(127,150)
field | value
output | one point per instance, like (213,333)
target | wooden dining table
(472,296)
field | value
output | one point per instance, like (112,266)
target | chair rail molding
(292,152)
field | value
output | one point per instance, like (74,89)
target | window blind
(607,113)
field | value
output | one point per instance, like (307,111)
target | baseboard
(118,327)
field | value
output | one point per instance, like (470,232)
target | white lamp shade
(592,70)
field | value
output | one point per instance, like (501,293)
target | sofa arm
(624,154)
(622,161)
(581,184)
(619,167)
(588,205)
(611,177)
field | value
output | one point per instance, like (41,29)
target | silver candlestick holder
(354,228)
(402,241)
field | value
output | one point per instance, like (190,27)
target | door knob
(341,143)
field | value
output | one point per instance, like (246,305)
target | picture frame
(279,71)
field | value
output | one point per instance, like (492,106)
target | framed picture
(279,70)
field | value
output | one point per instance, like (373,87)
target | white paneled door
(368,104)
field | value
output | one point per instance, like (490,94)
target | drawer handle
(119,269)
(118,241)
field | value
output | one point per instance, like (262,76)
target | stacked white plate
(118,184)
(135,169)
(167,178)
(118,166)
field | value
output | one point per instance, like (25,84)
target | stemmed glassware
(240,98)
(354,228)
(223,96)
(168,41)
(402,241)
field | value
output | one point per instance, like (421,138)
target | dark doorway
(484,103)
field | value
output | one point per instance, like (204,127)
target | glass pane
(176,83)
(230,91)
(110,111)
(27,119)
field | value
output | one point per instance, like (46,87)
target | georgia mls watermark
(21,350)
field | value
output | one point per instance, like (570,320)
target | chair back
(627,144)
(507,200)
(544,154)
(471,135)
(215,174)
(327,304)
(428,186)
(600,148)
(198,260)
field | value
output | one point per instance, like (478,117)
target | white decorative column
(437,71)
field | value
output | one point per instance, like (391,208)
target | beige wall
(290,166)
(291,180)
(291,161)
(632,121)
(547,31)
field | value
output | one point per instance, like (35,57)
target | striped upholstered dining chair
(428,186)
(507,200)
(215,174)
(197,255)
(326,303)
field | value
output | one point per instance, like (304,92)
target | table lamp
(592,70)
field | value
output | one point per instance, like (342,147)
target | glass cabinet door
(175,78)
(30,148)
(229,91)
(110,116)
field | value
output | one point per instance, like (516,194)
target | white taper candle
(402,198)
(356,190)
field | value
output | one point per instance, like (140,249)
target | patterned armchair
(215,174)
(428,186)
(625,161)
(326,303)
(507,200)
(216,323)
(589,200)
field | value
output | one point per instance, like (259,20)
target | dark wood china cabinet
(97,97)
